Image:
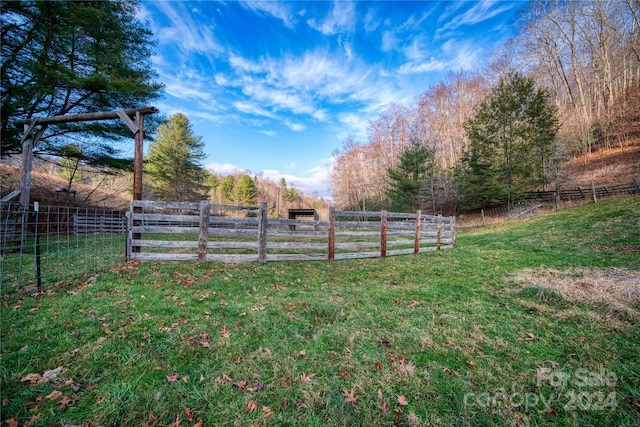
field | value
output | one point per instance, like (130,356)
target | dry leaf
(402,401)
(32,421)
(413,303)
(173,377)
(240,384)
(54,395)
(267,412)
(32,378)
(378,366)
(304,378)
(302,353)
(12,422)
(251,406)
(350,396)
(66,402)
(189,414)
(225,332)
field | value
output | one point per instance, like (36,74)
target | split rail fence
(161,231)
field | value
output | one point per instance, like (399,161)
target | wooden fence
(202,231)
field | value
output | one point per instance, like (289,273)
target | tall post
(262,232)
(138,157)
(204,230)
(416,242)
(331,240)
(383,234)
(27,160)
(439,230)
(137,171)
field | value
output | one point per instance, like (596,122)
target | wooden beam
(127,120)
(86,117)
(138,158)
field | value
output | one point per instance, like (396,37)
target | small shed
(304,213)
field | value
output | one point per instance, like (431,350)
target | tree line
(567,84)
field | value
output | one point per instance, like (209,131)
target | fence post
(453,231)
(331,239)
(129,236)
(203,231)
(383,234)
(262,233)
(593,189)
(439,229)
(416,240)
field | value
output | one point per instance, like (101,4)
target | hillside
(44,186)
(605,167)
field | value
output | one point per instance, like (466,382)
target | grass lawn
(534,322)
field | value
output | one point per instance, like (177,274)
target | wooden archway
(133,118)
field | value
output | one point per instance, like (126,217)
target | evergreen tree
(226,188)
(63,57)
(173,162)
(511,141)
(246,192)
(407,179)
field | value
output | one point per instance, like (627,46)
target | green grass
(441,338)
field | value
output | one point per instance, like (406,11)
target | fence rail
(42,245)
(174,232)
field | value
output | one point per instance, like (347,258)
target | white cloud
(184,31)
(276,9)
(224,168)
(341,19)
(481,11)
(296,127)
(315,179)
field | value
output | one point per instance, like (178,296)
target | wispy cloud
(314,179)
(276,9)
(342,18)
(481,11)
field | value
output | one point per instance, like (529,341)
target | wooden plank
(203,230)
(233,245)
(416,237)
(296,246)
(86,117)
(358,224)
(331,238)
(142,256)
(357,245)
(232,258)
(165,205)
(383,234)
(262,232)
(355,255)
(154,217)
(231,232)
(164,230)
(164,244)
(296,257)
(358,214)
(357,234)
(298,234)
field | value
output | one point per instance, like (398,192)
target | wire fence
(45,245)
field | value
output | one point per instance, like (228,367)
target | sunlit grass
(407,340)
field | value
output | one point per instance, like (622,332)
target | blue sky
(275,87)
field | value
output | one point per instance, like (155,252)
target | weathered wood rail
(161,231)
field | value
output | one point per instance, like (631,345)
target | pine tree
(511,141)
(407,179)
(62,57)
(173,163)
(245,191)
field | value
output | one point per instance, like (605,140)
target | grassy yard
(534,322)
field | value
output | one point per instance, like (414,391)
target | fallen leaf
(267,412)
(54,395)
(66,401)
(257,386)
(378,366)
(305,379)
(32,421)
(251,406)
(173,377)
(189,414)
(225,332)
(343,374)
(240,384)
(185,380)
(225,379)
(5,401)
(12,422)
(350,396)
(302,353)
(32,378)
(413,303)
(471,364)
(402,401)
(530,337)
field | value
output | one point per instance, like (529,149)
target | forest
(583,58)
